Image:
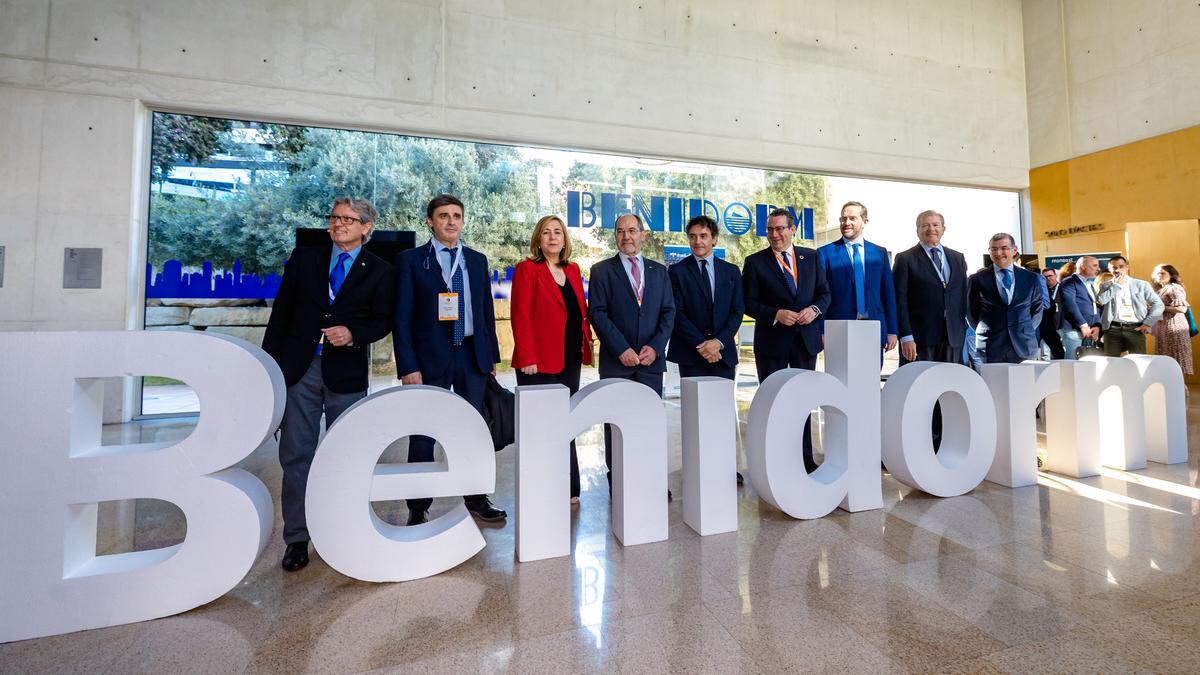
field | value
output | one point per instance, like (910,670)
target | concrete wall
(929,91)
(1104,73)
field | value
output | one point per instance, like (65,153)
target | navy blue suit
(425,344)
(776,346)
(1076,305)
(705,312)
(879,293)
(621,323)
(1005,332)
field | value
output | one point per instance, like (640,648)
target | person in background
(1171,335)
(1129,308)
(1080,316)
(552,340)
(1048,329)
(333,302)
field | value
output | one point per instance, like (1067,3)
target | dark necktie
(860,283)
(456,286)
(787,272)
(707,284)
(937,263)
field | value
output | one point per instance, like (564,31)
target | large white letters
(1017,389)
(708,431)
(849,476)
(54,470)
(639,461)
(968,428)
(345,478)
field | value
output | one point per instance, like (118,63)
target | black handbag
(1089,348)
(500,412)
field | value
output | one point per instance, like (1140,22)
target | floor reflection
(1098,573)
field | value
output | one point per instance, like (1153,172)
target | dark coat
(699,317)
(932,313)
(302,308)
(766,292)
(621,323)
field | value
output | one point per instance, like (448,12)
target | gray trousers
(298,436)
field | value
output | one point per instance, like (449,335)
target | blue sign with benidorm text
(669,214)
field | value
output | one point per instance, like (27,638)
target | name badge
(447,306)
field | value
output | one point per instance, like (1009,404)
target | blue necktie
(860,282)
(337,276)
(456,286)
(1007,285)
(937,262)
(787,273)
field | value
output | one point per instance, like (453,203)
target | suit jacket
(539,317)
(1075,304)
(880,295)
(302,308)
(766,291)
(1051,316)
(422,342)
(1146,303)
(699,317)
(999,325)
(931,313)
(621,323)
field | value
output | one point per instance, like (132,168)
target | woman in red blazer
(551,336)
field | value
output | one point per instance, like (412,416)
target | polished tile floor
(1093,575)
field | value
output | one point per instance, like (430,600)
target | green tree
(184,138)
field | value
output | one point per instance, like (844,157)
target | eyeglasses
(777,230)
(344,220)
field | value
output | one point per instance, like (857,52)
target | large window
(227,197)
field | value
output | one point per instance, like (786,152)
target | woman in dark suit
(551,336)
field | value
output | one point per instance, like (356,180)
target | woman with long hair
(1171,335)
(551,337)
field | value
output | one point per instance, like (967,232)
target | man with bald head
(1080,315)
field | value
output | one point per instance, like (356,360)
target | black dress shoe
(296,557)
(741,481)
(483,509)
(418,517)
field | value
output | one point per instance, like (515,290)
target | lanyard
(447,275)
(791,267)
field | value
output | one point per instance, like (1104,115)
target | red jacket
(539,318)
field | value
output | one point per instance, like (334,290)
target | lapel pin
(800,257)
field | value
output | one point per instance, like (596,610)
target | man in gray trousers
(333,302)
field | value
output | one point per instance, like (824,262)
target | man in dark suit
(931,301)
(331,305)
(786,291)
(1004,303)
(445,331)
(1048,330)
(1079,314)
(632,312)
(708,308)
(860,278)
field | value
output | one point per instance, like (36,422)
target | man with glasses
(785,291)
(632,311)
(1004,304)
(333,302)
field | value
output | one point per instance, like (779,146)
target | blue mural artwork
(173,282)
